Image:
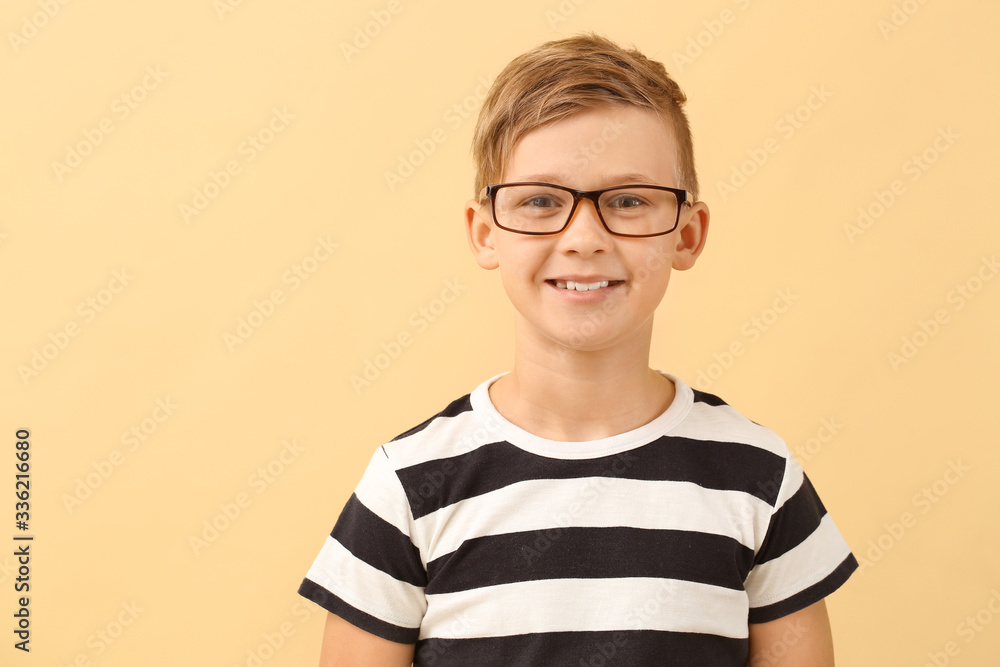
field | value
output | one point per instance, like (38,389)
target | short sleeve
(368,571)
(803,557)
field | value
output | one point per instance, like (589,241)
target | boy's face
(592,149)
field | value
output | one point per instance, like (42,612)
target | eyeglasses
(624,210)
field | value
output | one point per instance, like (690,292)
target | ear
(692,231)
(479,231)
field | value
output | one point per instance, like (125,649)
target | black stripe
(432,485)
(455,408)
(591,553)
(333,604)
(705,397)
(379,543)
(573,649)
(792,523)
(809,596)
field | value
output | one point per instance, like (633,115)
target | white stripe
(721,423)
(380,491)
(594,502)
(566,605)
(337,570)
(790,483)
(806,564)
(442,438)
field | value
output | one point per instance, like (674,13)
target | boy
(582,508)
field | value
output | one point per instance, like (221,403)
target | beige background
(872,432)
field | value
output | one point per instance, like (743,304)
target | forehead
(597,147)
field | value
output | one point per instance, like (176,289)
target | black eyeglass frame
(683,197)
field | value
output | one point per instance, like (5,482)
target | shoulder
(455,430)
(712,418)
(455,408)
(749,456)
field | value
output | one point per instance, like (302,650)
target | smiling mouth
(584,287)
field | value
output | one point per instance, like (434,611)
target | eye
(626,202)
(540,201)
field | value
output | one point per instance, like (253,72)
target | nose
(585,233)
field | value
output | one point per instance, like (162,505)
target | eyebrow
(631,178)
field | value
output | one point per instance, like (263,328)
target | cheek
(652,271)
(508,281)
(515,271)
(651,287)
(519,259)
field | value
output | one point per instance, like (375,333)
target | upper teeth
(581,287)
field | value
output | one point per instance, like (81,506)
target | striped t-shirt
(488,545)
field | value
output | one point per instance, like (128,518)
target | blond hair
(566,76)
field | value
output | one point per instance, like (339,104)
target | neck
(577,395)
